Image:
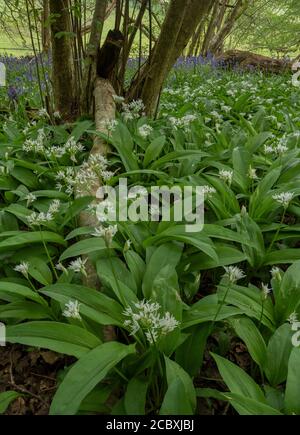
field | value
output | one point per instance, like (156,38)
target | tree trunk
(110,7)
(195,39)
(62,62)
(218,42)
(91,57)
(135,28)
(98,93)
(181,21)
(46,32)
(193,16)
(105,111)
(216,25)
(198,45)
(157,66)
(221,15)
(210,30)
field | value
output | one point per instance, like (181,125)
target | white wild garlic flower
(37,219)
(72,148)
(233,273)
(269,149)
(30,197)
(284,198)
(145,130)
(265,291)
(55,152)
(183,122)
(208,191)
(281,149)
(168,323)
(146,316)
(127,245)
(132,110)
(252,173)
(107,175)
(244,211)
(60,267)
(152,336)
(226,176)
(110,232)
(72,310)
(107,233)
(78,265)
(42,113)
(118,99)
(86,178)
(36,145)
(54,206)
(111,125)
(22,268)
(275,272)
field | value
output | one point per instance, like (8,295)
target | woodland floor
(35,373)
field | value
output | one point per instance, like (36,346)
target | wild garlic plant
(174,303)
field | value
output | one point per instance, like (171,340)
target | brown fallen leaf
(50,357)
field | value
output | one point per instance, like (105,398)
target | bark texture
(135,27)
(105,111)
(197,11)
(157,68)
(181,21)
(46,32)
(110,7)
(90,68)
(217,44)
(63,75)
(98,99)
(210,29)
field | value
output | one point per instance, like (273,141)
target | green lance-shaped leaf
(89,370)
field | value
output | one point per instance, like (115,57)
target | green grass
(15,45)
